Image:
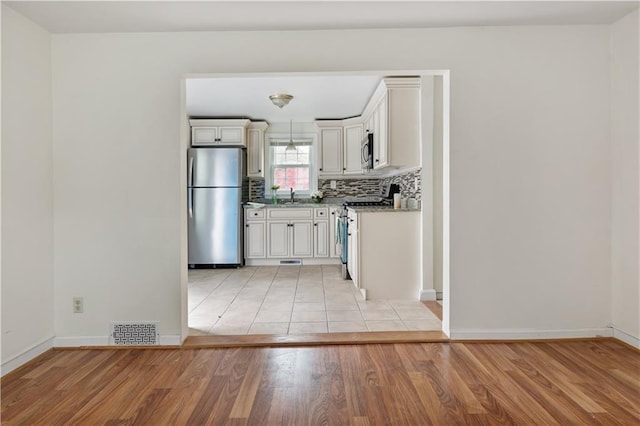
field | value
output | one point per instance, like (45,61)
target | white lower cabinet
(290,233)
(302,238)
(321,246)
(255,240)
(278,238)
(333,213)
(293,238)
(255,234)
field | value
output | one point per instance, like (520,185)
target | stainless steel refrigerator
(215,178)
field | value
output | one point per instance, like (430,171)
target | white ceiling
(326,96)
(152,16)
(314,96)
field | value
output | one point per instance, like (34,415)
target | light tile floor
(293,300)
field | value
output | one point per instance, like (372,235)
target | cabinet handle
(344,168)
(377,161)
(349,234)
(259,170)
(333,213)
(247,225)
(315,224)
(320,168)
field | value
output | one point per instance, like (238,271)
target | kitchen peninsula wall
(359,187)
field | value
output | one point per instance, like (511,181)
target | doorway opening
(299,301)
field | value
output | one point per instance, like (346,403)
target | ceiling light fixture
(291,146)
(281,100)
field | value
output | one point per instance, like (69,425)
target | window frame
(313,174)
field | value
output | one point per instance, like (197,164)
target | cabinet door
(350,254)
(204,135)
(353,149)
(231,135)
(332,232)
(278,238)
(352,248)
(355,264)
(255,153)
(302,239)
(330,151)
(255,240)
(381,149)
(321,240)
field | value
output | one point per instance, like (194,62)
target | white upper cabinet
(381,148)
(339,146)
(207,132)
(255,148)
(353,135)
(393,115)
(330,150)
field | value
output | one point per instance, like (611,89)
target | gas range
(366,203)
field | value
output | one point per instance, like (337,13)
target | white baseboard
(26,356)
(79,341)
(170,340)
(528,334)
(626,338)
(305,261)
(428,294)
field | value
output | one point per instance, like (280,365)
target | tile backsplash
(350,188)
(407,182)
(256,188)
(369,187)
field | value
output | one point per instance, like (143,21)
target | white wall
(427,108)
(530,170)
(625,178)
(27,209)
(438,115)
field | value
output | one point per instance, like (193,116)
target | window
(293,168)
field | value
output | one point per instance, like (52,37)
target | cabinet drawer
(253,214)
(287,213)
(321,213)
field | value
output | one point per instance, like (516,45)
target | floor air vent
(291,262)
(134,333)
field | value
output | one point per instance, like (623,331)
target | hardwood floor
(574,382)
(315,339)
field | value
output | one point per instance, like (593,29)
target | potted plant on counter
(317,196)
(274,194)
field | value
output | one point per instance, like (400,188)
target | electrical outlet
(78,305)
(333,184)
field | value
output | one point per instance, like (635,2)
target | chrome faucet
(292,199)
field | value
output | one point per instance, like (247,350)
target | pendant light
(290,146)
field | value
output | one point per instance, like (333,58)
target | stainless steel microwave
(367,152)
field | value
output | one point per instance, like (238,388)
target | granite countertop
(380,209)
(327,202)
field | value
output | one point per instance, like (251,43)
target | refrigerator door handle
(190,178)
(190,202)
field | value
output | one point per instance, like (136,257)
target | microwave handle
(365,153)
